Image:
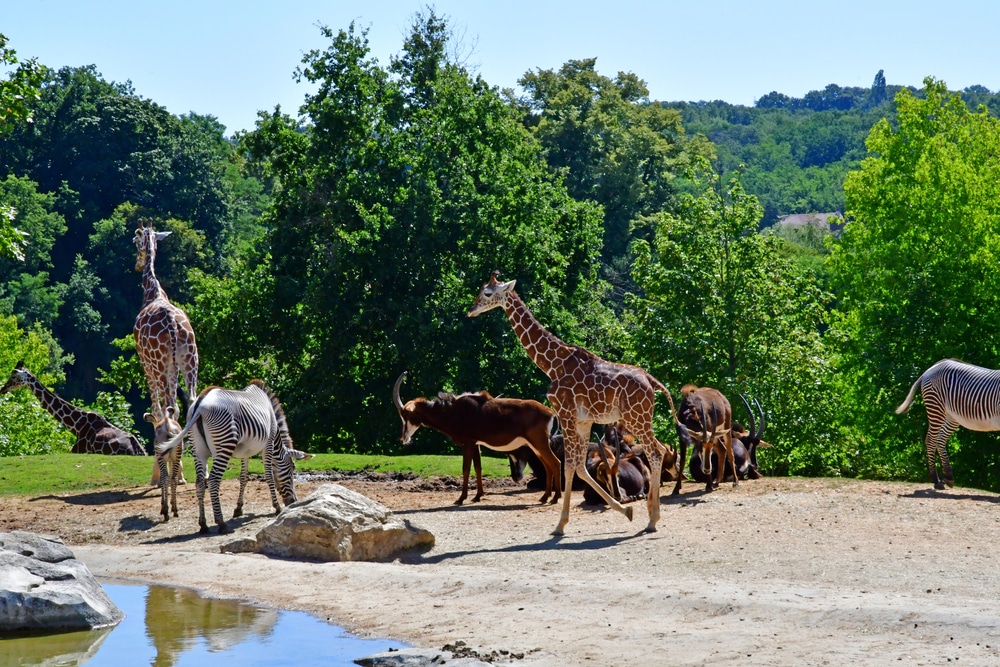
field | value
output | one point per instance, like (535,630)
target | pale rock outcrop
(337,524)
(43,587)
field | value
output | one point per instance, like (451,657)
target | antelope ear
(764,444)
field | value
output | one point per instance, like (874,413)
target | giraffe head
(145,243)
(19,378)
(493,294)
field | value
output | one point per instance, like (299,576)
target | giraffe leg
(656,453)
(244,478)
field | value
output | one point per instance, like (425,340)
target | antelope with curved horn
(471,420)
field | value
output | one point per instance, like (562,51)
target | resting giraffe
(94,434)
(165,343)
(586,390)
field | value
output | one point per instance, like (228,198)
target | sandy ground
(775,572)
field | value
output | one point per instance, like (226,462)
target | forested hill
(796,152)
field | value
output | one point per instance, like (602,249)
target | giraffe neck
(151,289)
(544,348)
(65,412)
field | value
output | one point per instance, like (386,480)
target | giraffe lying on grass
(94,434)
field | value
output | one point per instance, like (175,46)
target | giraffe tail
(658,386)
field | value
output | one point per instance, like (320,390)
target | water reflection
(68,648)
(178,619)
(175,627)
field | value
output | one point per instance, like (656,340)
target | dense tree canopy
(722,307)
(916,270)
(406,188)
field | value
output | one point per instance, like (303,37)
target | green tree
(723,307)
(612,145)
(916,274)
(404,190)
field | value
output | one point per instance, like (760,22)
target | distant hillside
(795,152)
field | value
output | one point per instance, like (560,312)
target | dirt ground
(779,571)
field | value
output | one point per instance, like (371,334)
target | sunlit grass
(56,473)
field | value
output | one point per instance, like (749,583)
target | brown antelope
(470,420)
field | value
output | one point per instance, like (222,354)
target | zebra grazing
(955,394)
(238,424)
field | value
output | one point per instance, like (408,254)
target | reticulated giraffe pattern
(586,390)
(164,338)
(94,434)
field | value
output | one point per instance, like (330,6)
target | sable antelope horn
(395,392)
(753,425)
(762,423)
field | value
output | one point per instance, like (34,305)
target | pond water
(176,627)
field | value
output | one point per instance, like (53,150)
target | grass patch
(64,473)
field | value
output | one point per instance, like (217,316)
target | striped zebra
(224,424)
(955,394)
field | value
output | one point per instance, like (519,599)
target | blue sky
(232,58)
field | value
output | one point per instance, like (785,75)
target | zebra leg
(199,485)
(270,475)
(936,445)
(949,478)
(219,465)
(244,478)
(164,479)
(175,474)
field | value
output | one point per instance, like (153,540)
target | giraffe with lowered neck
(586,390)
(94,434)
(165,343)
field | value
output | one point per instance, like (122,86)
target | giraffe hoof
(628,513)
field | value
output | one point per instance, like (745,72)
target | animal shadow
(922,494)
(107,497)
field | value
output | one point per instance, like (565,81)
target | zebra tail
(165,447)
(194,416)
(909,397)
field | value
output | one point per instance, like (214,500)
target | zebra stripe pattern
(225,424)
(955,394)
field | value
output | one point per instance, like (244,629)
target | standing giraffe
(165,343)
(94,434)
(586,390)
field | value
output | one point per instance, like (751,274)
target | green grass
(62,473)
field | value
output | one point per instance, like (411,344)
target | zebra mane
(279,413)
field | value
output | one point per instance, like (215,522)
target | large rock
(337,524)
(44,588)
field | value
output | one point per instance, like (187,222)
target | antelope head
(409,427)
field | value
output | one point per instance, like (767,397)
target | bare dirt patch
(779,571)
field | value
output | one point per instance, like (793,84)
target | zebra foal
(955,394)
(226,423)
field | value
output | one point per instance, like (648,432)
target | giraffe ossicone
(588,390)
(94,434)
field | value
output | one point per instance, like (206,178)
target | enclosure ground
(779,571)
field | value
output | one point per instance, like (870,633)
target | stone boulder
(43,588)
(337,524)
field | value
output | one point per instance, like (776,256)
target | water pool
(176,627)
